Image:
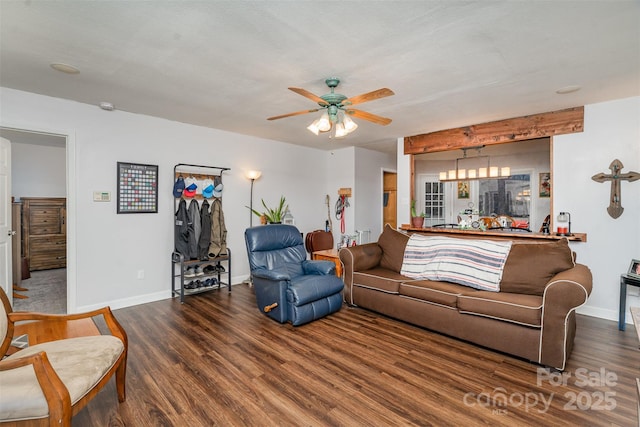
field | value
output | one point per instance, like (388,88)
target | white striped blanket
(469,262)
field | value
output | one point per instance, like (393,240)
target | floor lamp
(252,175)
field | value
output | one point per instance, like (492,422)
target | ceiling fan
(338,109)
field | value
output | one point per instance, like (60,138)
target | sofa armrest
(564,293)
(358,258)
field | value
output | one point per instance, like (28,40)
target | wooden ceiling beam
(533,126)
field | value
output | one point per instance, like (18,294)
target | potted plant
(272,216)
(416,220)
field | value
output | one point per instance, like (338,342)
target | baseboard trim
(140,299)
(601,313)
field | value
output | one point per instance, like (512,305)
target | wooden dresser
(44,232)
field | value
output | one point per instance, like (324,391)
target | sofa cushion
(516,308)
(530,266)
(443,293)
(380,279)
(392,243)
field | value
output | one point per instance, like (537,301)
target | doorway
(39,174)
(389,199)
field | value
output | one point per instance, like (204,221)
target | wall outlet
(140,274)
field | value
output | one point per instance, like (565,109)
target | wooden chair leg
(19,288)
(121,373)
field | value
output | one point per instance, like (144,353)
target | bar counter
(493,234)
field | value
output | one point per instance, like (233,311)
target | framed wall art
(634,268)
(545,184)
(463,189)
(137,188)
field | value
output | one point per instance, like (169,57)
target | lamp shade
(313,127)
(340,130)
(253,174)
(324,124)
(349,125)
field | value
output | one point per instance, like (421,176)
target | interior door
(5,218)
(390,188)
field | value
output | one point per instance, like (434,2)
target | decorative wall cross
(615,208)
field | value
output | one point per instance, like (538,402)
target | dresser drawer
(45,221)
(54,245)
(42,262)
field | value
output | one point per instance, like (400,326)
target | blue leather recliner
(288,287)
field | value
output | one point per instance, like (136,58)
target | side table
(329,255)
(625,280)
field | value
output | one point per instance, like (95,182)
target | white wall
(112,248)
(369,167)
(404,178)
(38,171)
(361,170)
(341,174)
(611,131)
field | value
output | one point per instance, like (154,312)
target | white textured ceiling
(227,64)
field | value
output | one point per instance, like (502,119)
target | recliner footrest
(305,289)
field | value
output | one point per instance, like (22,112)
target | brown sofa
(532,316)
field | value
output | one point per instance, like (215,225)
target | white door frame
(69,135)
(6,232)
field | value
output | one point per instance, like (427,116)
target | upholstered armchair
(51,380)
(288,287)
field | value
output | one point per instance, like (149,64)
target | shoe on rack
(190,272)
(189,285)
(220,268)
(198,271)
(209,269)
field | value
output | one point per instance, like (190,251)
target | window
(434,201)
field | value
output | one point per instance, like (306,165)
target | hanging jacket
(205,232)
(218,245)
(181,237)
(194,228)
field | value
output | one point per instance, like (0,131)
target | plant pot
(417,221)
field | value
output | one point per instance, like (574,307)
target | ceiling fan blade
(309,95)
(297,113)
(366,97)
(368,116)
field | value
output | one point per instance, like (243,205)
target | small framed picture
(634,268)
(545,184)
(463,189)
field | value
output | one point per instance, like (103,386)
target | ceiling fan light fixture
(349,124)
(313,127)
(324,124)
(341,131)
(335,110)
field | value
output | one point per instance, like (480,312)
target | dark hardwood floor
(216,360)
